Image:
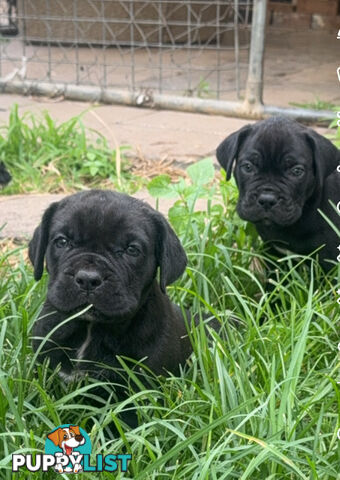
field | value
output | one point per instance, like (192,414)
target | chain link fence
(191,48)
(193,55)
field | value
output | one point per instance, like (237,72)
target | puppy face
(103,248)
(275,176)
(280,166)
(67,438)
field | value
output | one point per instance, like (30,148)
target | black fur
(5,177)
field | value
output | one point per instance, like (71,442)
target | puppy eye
(298,171)
(247,167)
(61,242)
(132,250)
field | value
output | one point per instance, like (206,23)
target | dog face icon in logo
(68,443)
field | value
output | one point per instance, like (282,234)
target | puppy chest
(84,346)
(82,342)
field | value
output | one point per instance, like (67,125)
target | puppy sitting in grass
(104,249)
(287,178)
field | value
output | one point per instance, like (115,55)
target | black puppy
(4,175)
(104,249)
(286,173)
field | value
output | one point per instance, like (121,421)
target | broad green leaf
(201,172)
(161,187)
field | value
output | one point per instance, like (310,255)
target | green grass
(259,402)
(318,104)
(46,156)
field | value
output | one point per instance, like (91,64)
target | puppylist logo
(68,450)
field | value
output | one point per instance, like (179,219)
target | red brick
(291,20)
(323,7)
(326,22)
(280,7)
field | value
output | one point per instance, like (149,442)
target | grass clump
(317,104)
(45,156)
(260,401)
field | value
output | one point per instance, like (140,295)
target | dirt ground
(300,67)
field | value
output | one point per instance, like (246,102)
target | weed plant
(258,401)
(51,157)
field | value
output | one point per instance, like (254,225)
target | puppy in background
(105,249)
(286,174)
(5,177)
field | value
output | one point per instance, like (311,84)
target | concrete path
(154,134)
(180,137)
(20,214)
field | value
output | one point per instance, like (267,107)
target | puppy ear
(75,429)
(228,150)
(326,155)
(38,244)
(171,257)
(55,436)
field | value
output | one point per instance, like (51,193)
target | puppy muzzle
(268,206)
(88,278)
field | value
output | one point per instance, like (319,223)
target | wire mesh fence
(188,48)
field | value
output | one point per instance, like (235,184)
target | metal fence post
(254,90)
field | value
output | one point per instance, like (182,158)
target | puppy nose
(88,279)
(267,200)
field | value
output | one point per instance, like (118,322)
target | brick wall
(313,14)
